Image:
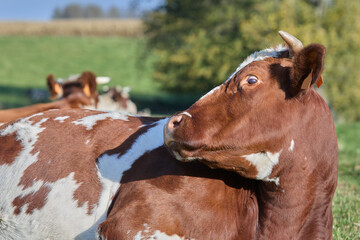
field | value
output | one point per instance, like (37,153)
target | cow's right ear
(54,87)
(308,64)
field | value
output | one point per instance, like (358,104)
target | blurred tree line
(200,43)
(89,11)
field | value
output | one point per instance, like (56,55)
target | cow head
(243,125)
(85,83)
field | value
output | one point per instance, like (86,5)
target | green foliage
(200,43)
(342,24)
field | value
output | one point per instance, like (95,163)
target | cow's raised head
(84,83)
(258,114)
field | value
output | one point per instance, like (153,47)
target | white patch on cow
(147,234)
(210,93)
(264,163)
(186,114)
(188,159)
(61,119)
(91,120)
(87,141)
(256,56)
(275,180)
(260,55)
(292,144)
(112,166)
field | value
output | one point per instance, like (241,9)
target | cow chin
(183,153)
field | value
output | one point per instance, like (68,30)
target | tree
(73,11)
(93,11)
(342,24)
(113,12)
(199,43)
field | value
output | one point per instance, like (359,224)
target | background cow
(277,140)
(114,98)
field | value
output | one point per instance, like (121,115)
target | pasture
(25,62)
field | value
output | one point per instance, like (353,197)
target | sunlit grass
(346,203)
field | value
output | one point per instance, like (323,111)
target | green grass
(26,61)
(346,203)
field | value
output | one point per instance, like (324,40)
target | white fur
(292,144)
(260,55)
(112,166)
(264,163)
(186,114)
(61,119)
(91,120)
(61,217)
(210,93)
(188,159)
(256,56)
(156,235)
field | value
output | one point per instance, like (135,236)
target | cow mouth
(184,152)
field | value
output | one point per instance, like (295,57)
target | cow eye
(252,80)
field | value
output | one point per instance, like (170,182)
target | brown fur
(10,149)
(75,100)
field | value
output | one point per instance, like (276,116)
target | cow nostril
(174,122)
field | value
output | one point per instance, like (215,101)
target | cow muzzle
(170,128)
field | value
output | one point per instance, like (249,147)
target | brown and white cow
(84,83)
(114,98)
(68,174)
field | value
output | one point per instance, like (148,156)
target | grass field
(78,27)
(346,204)
(25,62)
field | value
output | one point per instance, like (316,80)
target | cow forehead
(260,55)
(256,56)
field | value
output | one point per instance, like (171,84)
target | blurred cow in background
(114,98)
(86,83)
(73,100)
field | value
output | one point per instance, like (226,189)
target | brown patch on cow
(35,200)
(186,199)
(10,148)
(61,153)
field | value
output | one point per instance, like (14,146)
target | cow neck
(298,200)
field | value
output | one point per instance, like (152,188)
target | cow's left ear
(307,68)
(54,87)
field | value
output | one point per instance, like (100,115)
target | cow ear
(54,87)
(307,68)
(88,80)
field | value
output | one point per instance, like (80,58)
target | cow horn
(294,44)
